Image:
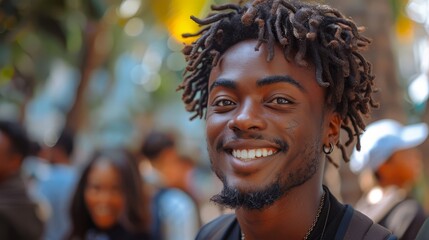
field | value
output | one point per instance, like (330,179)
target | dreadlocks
(306,32)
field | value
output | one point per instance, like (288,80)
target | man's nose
(248,117)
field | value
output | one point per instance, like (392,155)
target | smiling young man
(277,81)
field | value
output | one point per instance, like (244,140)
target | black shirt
(336,221)
(327,224)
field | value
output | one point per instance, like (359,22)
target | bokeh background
(108,69)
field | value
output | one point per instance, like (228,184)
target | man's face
(265,125)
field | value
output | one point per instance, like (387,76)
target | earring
(328,150)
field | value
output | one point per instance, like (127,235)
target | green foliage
(40,31)
(397,7)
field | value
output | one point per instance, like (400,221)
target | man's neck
(290,217)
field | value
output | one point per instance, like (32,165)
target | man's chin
(234,198)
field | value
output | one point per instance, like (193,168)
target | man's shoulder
(356,225)
(218,228)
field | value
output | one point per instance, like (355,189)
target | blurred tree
(34,33)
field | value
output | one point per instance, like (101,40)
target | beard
(265,196)
(258,199)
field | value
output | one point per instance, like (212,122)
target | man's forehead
(239,52)
(240,49)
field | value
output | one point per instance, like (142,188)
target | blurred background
(108,70)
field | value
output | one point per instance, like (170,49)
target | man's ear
(332,132)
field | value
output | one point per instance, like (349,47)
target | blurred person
(33,170)
(276,81)
(57,184)
(389,151)
(109,201)
(175,214)
(187,167)
(19,216)
(191,182)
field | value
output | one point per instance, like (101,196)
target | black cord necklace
(327,217)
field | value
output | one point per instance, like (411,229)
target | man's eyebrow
(223,83)
(276,79)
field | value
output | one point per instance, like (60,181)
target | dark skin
(278,106)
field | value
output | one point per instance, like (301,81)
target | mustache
(282,145)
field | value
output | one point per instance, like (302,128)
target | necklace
(319,210)
(322,200)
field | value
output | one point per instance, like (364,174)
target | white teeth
(258,152)
(247,154)
(251,153)
(264,152)
(244,154)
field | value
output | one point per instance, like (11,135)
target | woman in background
(108,203)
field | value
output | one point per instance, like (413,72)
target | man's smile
(249,150)
(249,154)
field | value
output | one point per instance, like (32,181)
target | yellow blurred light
(404,29)
(175,16)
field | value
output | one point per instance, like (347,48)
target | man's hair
(306,32)
(17,135)
(155,143)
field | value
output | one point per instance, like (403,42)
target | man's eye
(223,102)
(280,100)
